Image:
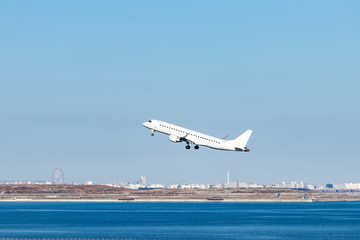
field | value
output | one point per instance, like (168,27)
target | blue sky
(77,79)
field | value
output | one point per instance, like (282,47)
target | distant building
(255,185)
(143,180)
(292,185)
(232,185)
(198,186)
(243,185)
(175,186)
(185,186)
(133,186)
(352,185)
(156,186)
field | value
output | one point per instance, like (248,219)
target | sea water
(180,220)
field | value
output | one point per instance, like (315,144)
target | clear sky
(78,79)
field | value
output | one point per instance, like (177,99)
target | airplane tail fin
(240,142)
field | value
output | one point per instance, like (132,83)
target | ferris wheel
(58,176)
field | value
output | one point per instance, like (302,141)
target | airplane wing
(190,139)
(185,138)
(224,138)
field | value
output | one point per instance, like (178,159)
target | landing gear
(196,147)
(152,132)
(187,146)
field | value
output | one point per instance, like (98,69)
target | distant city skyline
(142,182)
(78,79)
(142,185)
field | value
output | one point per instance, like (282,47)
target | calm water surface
(181,220)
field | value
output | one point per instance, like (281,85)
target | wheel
(152,134)
(196,147)
(187,147)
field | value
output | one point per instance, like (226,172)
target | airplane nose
(147,124)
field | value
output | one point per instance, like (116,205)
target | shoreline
(179,200)
(99,193)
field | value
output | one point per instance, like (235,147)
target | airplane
(179,134)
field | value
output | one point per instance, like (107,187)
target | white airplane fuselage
(180,134)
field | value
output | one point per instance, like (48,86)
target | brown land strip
(100,193)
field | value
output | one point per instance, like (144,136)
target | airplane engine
(174,139)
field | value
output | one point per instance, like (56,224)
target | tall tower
(228,177)
(143,180)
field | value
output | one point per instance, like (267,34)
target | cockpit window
(149,121)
